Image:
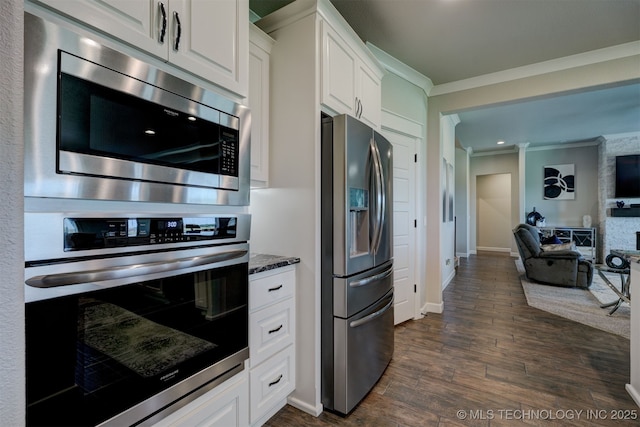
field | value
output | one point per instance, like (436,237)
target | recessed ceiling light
(500,142)
(150,132)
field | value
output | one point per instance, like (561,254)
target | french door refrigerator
(357,261)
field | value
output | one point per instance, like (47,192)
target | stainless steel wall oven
(129,317)
(104,125)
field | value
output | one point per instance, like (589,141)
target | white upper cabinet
(259,50)
(350,84)
(209,39)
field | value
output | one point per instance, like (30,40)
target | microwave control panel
(99,233)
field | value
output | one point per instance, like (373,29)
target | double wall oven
(136,234)
(126,315)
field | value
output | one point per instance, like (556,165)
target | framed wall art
(559,182)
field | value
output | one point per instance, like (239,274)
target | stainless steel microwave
(103,125)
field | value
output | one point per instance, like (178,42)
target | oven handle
(121,272)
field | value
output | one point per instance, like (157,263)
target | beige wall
(565,79)
(493,212)
(507,165)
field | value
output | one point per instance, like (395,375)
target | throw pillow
(569,246)
(551,240)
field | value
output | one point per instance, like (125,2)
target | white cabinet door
(349,85)
(259,49)
(369,96)
(137,23)
(338,73)
(211,39)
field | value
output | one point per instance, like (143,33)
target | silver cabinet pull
(120,272)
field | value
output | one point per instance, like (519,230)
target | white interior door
(404,226)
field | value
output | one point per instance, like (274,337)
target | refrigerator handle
(371,279)
(371,316)
(380,196)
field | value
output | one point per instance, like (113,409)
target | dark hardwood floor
(491,360)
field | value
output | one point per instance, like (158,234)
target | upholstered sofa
(553,266)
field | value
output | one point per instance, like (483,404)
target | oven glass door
(94,355)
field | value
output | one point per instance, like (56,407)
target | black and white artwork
(559,182)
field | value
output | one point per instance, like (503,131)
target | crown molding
(560,64)
(394,66)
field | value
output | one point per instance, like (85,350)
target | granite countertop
(265,262)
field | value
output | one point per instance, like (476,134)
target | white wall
(12,346)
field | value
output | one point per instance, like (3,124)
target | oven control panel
(100,233)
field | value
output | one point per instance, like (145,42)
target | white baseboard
(310,409)
(448,279)
(635,395)
(462,254)
(492,249)
(432,308)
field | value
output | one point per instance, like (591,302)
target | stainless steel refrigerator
(357,261)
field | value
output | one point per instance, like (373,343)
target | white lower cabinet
(271,342)
(227,405)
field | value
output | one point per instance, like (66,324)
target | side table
(623,293)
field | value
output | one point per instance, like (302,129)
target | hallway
(491,360)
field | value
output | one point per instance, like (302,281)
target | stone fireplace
(615,232)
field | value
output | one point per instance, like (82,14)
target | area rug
(579,305)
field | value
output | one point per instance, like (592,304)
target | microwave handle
(120,272)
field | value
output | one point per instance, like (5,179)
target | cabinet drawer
(270,330)
(271,286)
(271,382)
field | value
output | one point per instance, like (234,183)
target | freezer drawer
(353,294)
(363,349)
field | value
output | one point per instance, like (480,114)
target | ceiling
(453,40)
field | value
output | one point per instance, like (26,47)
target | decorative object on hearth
(542,222)
(586,221)
(559,182)
(533,217)
(620,204)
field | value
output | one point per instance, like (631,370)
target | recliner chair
(553,267)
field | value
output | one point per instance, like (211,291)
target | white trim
(314,410)
(432,308)
(507,150)
(634,393)
(560,64)
(492,249)
(448,280)
(563,145)
(400,69)
(400,124)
